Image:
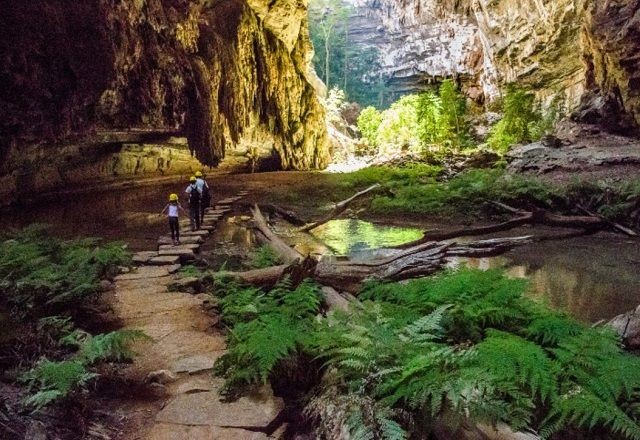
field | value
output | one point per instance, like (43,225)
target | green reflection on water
(346,236)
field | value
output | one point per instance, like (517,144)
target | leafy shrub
(522,121)
(369,123)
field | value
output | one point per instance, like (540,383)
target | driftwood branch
(338,209)
(585,224)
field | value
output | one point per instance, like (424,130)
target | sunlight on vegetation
(418,122)
(465,344)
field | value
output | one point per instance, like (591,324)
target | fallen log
(265,235)
(586,224)
(338,209)
(348,276)
(617,226)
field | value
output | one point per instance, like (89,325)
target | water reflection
(591,278)
(351,236)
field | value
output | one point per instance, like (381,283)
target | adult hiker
(194,203)
(205,199)
(172,209)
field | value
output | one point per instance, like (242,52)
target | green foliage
(417,121)
(263,256)
(522,121)
(40,274)
(57,380)
(369,123)
(443,117)
(466,194)
(399,127)
(267,327)
(188,271)
(112,346)
(464,343)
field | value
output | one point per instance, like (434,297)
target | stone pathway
(184,345)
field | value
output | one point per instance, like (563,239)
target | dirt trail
(183,399)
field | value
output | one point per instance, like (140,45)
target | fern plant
(57,380)
(465,345)
(267,328)
(263,257)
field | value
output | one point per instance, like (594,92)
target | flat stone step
(255,411)
(145,272)
(198,233)
(164,240)
(209,228)
(184,254)
(194,247)
(165,260)
(228,200)
(143,257)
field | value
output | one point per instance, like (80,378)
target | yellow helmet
(173,197)
(192,179)
(198,174)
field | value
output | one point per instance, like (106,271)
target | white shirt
(201,184)
(173,210)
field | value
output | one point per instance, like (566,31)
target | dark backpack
(206,195)
(194,195)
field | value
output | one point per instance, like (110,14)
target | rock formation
(582,50)
(227,74)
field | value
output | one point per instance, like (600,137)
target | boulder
(628,327)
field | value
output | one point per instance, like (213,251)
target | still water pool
(591,278)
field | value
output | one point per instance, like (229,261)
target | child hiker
(172,209)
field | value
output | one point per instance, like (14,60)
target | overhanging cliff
(584,51)
(227,73)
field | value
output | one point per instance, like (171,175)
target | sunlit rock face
(228,74)
(584,51)
(424,41)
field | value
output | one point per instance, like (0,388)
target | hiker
(172,209)
(194,203)
(205,199)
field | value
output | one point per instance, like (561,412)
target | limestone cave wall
(582,50)
(229,74)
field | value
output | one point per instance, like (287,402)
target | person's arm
(180,207)
(188,190)
(165,208)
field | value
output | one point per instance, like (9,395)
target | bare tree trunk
(339,209)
